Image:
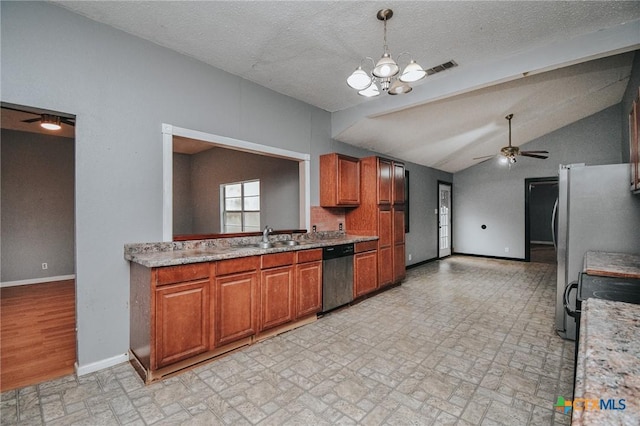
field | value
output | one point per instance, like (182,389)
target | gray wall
(37,224)
(492,194)
(122,89)
(279,185)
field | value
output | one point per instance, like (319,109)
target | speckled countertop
(154,255)
(608,264)
(608,362)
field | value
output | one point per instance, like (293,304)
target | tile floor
(463,341)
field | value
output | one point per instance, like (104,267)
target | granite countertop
(608,365)
(154,255)
(608,264)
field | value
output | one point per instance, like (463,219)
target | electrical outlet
(313,228)
(506,249)
(340,227)
(435,211)
(409,256)
(45,266)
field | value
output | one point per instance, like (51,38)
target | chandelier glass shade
(385,74)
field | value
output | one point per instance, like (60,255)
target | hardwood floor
(37,333)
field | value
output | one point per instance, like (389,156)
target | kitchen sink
(284,243)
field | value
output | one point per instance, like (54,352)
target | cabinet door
(308,288)
(236,306)
(398,183)
(339,180)
(385,266)
(276,297)
(399,267)
(398,226)
(384,181)
(365,273)
(182,318)
(385,227)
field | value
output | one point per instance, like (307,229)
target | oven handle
(565,299)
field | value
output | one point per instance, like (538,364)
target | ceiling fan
(46,120)
(511,152)
(50,121)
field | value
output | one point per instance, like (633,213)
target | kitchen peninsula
(191,301)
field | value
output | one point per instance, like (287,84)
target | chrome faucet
(265,234)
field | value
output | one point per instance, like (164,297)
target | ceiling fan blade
(485,157)
(67,122)
(526,154)
(534,152)
(31,120)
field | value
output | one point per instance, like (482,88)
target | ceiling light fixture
(50,122)
(384,74)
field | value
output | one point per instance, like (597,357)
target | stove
(617,289)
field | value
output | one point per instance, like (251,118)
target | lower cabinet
(236,304)
(365,268)
(183,317)
(186,314)
(308,283)
(276,290)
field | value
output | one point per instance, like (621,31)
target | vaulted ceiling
(548,63)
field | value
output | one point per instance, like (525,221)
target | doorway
(444,220)
(541,195)
(37,279)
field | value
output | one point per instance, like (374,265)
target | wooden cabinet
(170,314)
(308,283)
(381,213)
(236,305)
(399,266)
(339,180)
(365,268)
(398,183)
(182,326)
(276,290)
(384,180)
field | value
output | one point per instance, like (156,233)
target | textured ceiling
(307,49)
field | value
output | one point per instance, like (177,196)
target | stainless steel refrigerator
(596,211)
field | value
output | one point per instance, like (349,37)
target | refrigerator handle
(553,224)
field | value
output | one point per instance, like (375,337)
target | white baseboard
(37,280)
(101,365)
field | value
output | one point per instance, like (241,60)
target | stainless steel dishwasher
(337,276)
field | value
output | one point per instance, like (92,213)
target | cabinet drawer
(277,259)
(182,273)
(241,264)
(309,255)
(366,246)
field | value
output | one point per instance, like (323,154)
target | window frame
(242,210)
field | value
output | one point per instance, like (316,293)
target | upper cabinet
(634,144)
(339,181)
(384,180)
(398,183)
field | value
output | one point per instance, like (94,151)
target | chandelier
(385,74)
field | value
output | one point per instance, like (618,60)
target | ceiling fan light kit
(384,74)
(50,122)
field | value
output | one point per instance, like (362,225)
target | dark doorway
(541,195)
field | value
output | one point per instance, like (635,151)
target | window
(240,206)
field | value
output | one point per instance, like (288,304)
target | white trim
(546,243)
(37,281)
(101,365)
(169,131)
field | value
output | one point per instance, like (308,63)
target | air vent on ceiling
(442,67)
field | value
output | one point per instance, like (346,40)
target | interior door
(444,220)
